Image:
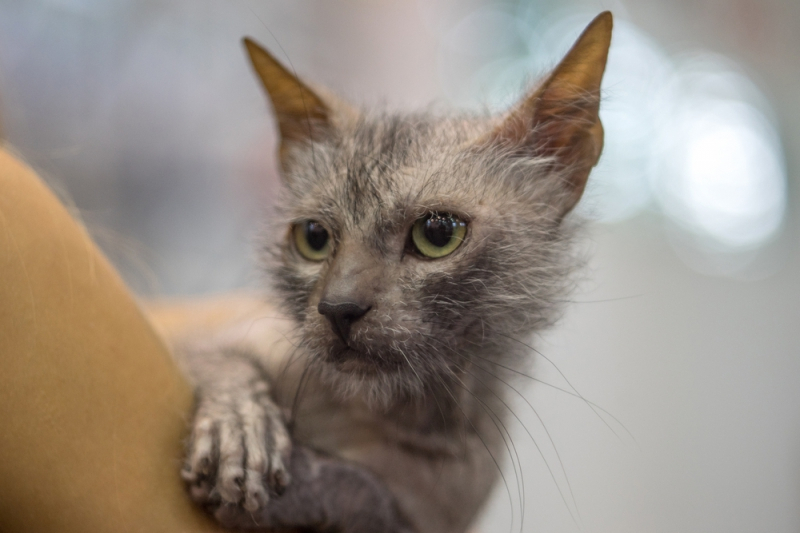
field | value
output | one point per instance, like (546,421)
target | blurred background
(145,117)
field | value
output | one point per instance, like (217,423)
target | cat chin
(352,361)
(380,386)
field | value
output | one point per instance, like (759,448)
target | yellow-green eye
(312,240)
(438,234)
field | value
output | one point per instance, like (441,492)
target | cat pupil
(316,235)
(439,229)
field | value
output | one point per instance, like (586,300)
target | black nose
(342,316)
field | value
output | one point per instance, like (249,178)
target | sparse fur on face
(367,177)
(368,182)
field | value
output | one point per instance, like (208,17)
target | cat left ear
(302,113)
(559,119)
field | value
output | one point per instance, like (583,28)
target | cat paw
(238,451)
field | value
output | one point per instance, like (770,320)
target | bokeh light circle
(689,136)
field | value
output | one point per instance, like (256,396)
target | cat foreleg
(239,447)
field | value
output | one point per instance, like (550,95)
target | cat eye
(312,240)
(438,234)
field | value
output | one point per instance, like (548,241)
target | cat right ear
(559,121)
(303,115)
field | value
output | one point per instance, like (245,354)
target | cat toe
(200,466)
(278,476)
(255,496)
(231,473)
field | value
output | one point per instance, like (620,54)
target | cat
(412,252)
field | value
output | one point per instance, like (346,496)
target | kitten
(414,250)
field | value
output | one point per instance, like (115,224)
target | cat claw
(238,451)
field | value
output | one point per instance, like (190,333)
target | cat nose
(342,316)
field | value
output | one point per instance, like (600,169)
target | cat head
(412,243)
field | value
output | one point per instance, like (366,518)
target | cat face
(413,243)
(420,239)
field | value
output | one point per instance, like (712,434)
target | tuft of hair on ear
(558,120)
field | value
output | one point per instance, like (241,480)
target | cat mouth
(351,360)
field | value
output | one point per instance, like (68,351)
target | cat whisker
(592,405)
(296,355)
(560,389)
(299,391)
(271,317)
(603,301)
(536,444)
(578,394)
(506,436)
(414,370)
(483,441)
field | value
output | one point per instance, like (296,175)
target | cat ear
(559,119)
(302,113)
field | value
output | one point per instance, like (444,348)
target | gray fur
(434,325)
(368,184)
(404,415)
